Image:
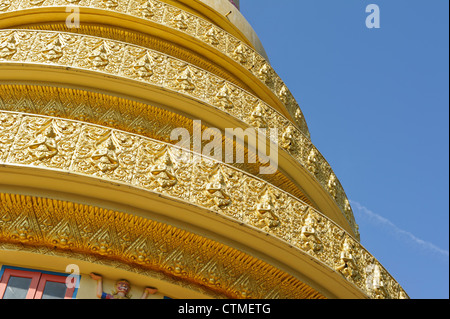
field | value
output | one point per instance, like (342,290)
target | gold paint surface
(188,23)
(153,68)
(118,113)
(92,232)
(132,148)
(147,41)
(117,156)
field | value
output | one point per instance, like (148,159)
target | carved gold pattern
(117,58)
(118,113)
(114,155)
(141,245)
(4,5)
(205,31)
(147,41)
(123,157)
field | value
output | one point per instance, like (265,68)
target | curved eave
(216,12)
(108,18)
(74,169)
(29,73)
(77,188)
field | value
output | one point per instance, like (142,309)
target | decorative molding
(121,59)
(111,238)
(117,156)
(118,113)
(173,17)
(147,41)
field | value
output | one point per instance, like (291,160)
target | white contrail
(424,244)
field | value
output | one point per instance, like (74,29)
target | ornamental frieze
(137,63)
(173,17)
(119,59)
(106,110)
(146,120)
(123,157)
(65,229)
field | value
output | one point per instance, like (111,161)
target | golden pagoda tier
(91,93)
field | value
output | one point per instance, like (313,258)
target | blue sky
(377,105)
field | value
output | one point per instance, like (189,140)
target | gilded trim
(147,41)
(153,68)
(192,25)
(118,113)
(120,157)
(114,238)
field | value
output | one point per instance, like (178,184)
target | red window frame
(20,273)
(54,278)
(37,285)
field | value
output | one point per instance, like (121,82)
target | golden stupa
(95,186)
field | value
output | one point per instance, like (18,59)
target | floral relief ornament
(183,20)
(53,51)
(216,190)
(4,4)
(147,9)
(8,48)
(44,146)
(163,171)
(106,54)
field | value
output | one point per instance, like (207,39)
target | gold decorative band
(100,152)
(143,244)
(148,41)
(118,113)
(188,23)
(153,68)
(139,64)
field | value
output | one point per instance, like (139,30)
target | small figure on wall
(122,289)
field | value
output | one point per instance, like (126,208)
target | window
(18,283)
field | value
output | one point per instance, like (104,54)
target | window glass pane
(54,290)
(17,288)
